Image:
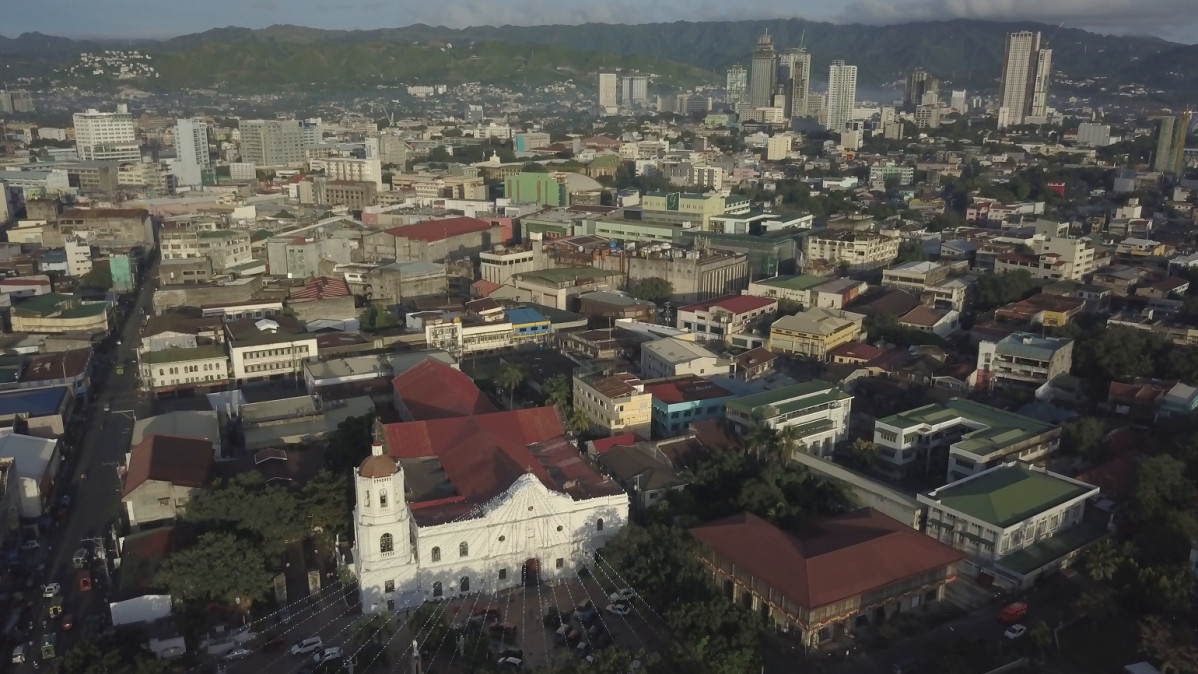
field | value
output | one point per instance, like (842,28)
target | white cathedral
(413,544)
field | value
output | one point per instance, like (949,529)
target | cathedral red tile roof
(433,390)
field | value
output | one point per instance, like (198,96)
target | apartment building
(675,356)
(168,370)
(857,250)
(355,170)
(616,403)
(1056,258)
(960,437)
(815,332)
(817,410)
(225,248)
(1014,522)
(1023,360)
(106,136)
(719,319)
(104,228)
(271,142)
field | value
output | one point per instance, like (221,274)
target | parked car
(1015,631)
(511,662)
(305,646)
(330,653)
(274,645)
(30,544)
(625,595)
(512,652)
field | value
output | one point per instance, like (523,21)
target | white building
(101,136)
(719,319)
(261,349)
(357,170)
(225,248)
(675,356)
(499,265)
(842,95)
(79,257)
(184,368)
(1014,521)
(778,146)
(707,178)
(1093,135)
(817,410)
(531,512)
(191,150)
(1026,73)
(609,92)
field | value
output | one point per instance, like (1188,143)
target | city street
(91,480)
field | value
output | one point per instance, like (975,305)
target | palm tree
(556,390)
(510,376)
(1041,637)
(787,438)
(1104,559)
(579,421)
(761,439)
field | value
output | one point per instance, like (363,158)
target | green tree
(1040,634)
(267,514)
(1104,559)
(652,289)
(996,289)
(1083,436)
(99,278)
(433,622)
(220,567)
(350,444)
(761,439)
(864,453)
(118,651)
(511,376)
(1170,644)
(1096,604)
(377,317)
(911,251)
(376,628)
(556,391)
(579,422)
(324,503)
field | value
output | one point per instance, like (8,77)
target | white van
(309,645)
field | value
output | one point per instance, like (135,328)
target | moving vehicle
(80,558)
(50,589)
(619,608)
(237,654)
(1015,631)
(625,595)
(49,643)
(330,653)
(305,646)
(1012,612)
(511,662)
(18,654)
(85,580)
(68,621)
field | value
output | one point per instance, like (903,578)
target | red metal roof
(838,558)
(185,462)
(433,390)
(625,440)
(483,287)
(483,455)
(439,230)
(737,304)
(685,390)
(321,288)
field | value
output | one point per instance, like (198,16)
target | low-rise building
(788,288)
(813,585)
(56,313)
(817,410)
(815,332)
(960,435)
(1023,360)
(613,306)
(858,251)
(679,402)
(184,369)
(616,403)
(164,473)
(560,288)
(529,326)
(719,319)
(1014,522)
(939,322)
(676,356)
(223,248)
(268,348)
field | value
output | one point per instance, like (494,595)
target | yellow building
(614,403)
(815,332)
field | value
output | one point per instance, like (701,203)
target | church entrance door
(531,573)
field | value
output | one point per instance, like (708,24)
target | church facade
(427,528)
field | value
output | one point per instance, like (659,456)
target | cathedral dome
(378,464)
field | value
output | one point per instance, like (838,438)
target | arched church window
(382,498)
(437,589)
(386,543)
(464,550)
(436,554)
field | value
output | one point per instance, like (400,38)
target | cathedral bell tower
(382,531)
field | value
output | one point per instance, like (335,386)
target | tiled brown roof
(185,462)
(839,558)
(755,357)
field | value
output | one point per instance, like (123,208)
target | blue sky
(1172,19)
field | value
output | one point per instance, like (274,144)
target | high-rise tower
(842,95)
(191,150)
(794,72)
(1171,143)
(736,83)
(609,92)
(1026,76)
(762,73)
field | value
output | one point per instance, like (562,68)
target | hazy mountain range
(966,52)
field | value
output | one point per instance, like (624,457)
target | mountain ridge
(960,51)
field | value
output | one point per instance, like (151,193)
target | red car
(85,579)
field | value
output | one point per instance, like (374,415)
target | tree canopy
(220,567)
(652,289)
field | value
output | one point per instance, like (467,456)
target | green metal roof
(1000,429)
(1051,549)
(788,396)
(41,305)
(1007,495)
(84,310)
(563,274)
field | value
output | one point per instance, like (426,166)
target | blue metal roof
(524,316)
(36,402)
